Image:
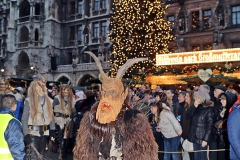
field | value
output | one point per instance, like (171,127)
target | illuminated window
(195,48)
(171,19)
(96,5)
(80,7)
(207,19)
(207,47)
(195,20)
(235,15)
(95,30)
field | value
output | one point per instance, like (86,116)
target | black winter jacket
(202,122)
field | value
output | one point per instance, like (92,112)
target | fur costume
(63,105)
(37,118)
(109,131)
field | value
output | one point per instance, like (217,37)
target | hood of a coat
(231,99)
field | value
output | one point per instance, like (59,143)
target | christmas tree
(138,30)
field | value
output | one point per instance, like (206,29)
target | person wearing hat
(227,100)
(80,96)
(17,92)
(140,103)
(219,89)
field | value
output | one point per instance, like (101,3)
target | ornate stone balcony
(82,67)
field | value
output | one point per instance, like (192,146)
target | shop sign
(209,56)
(161,80)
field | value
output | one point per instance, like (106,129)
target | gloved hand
(52,134)
(27,139)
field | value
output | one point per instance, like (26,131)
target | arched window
(24,11)
(24,34)
(85,80)
(23,61)
(63,80)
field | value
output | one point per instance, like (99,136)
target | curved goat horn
(128,64)
(68,84)
(98,63)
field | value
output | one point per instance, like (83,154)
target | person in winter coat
(37,119)
(140,103)
(155,121)
(63,108)
(171,130)
(202,116)
(11,141)
(233,132)
(235,104)
(89,100)
(227,100)
(186,123)
(180,105)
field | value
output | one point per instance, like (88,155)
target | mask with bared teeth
(113,93)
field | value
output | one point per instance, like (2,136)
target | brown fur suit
(135,136)
(109,131)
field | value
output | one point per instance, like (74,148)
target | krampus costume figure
(3,88)
(109,131)
(37,119)
(63,105)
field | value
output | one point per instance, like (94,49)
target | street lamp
(34,69)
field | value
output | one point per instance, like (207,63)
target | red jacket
(237,102)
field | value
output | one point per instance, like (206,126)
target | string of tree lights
(138,30)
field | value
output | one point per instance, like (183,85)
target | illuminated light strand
(138,30)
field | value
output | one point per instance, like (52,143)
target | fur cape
(132,132)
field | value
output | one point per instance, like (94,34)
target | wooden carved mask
(65,89)
(3,86)
(113,93)
(40,85)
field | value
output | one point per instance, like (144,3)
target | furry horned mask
(66,90)
(113,93)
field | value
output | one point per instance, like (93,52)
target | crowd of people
(203,116)
(37,119)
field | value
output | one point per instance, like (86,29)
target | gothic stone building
(50,37)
